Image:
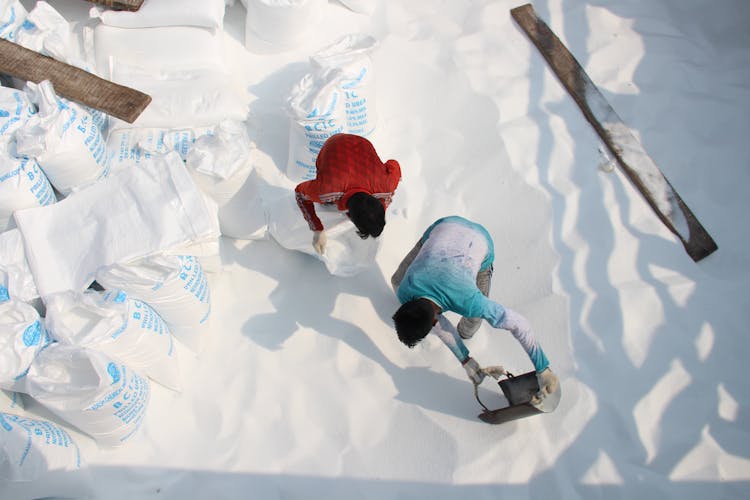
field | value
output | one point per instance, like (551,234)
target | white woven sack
(99,395)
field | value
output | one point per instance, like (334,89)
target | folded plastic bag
(12,15)
(351,55)
(129,215)
(64,139)
(121,327)
(22,185)
(95,393)
(155,13)
(175,286)
(317,110)
(40,459)
(22,337)
(15,111)
(346,253)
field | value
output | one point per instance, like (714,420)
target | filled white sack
(346,253)
(65,140)
(175,286)
(95,393)
(153,50)
(16,280)
(184,99)
(15,111)
(155,13)
(22,185)
(39,459)
(119,326)
(22,337)
(356,80)
(11,402)
(12,15)
(46,31)
(132,146)
(221,163)
(131,214)
(316,107)
(282,22)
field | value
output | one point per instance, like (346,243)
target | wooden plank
(619,139)
(131,5)
(72,82)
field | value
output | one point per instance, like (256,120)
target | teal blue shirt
(453,251)
(445,270)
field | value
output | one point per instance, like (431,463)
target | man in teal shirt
(449,269)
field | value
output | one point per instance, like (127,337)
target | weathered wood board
(617,136)
(131,5)
(73,83)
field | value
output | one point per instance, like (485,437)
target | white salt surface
(302,389)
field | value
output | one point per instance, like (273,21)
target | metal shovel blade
(520,391)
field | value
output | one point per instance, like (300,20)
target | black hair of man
(414,320)
(367,214)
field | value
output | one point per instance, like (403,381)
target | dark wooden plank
(619,139)
(73,83)
(131,5)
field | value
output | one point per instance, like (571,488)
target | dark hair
(367,214)
(413,321)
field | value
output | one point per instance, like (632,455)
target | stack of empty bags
(68,219)
(174,51)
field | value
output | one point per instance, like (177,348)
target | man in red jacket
(350,175)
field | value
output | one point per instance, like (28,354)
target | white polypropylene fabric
(16,280)
(155,50)
(132,146)
(93,392)
(39,459)
(22,337)
(156,13)
(11,402)
(346,253)
(45,31)
(64,139)
(175,286)
(185,99)
(351,55)
(22,185)
(317,112)
(359,6)
(12,15)
(282,22)
(15,110)
(119,326)
(129,215)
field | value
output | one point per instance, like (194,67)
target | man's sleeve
(520,327)
(448,334)
(307,206)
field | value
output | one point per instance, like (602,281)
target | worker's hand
(473,370)
(319,241)
(548,384)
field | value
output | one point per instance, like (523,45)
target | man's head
(367,213)
(414,320)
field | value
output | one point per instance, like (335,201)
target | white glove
(473,370)
(547,384)
(319,241)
